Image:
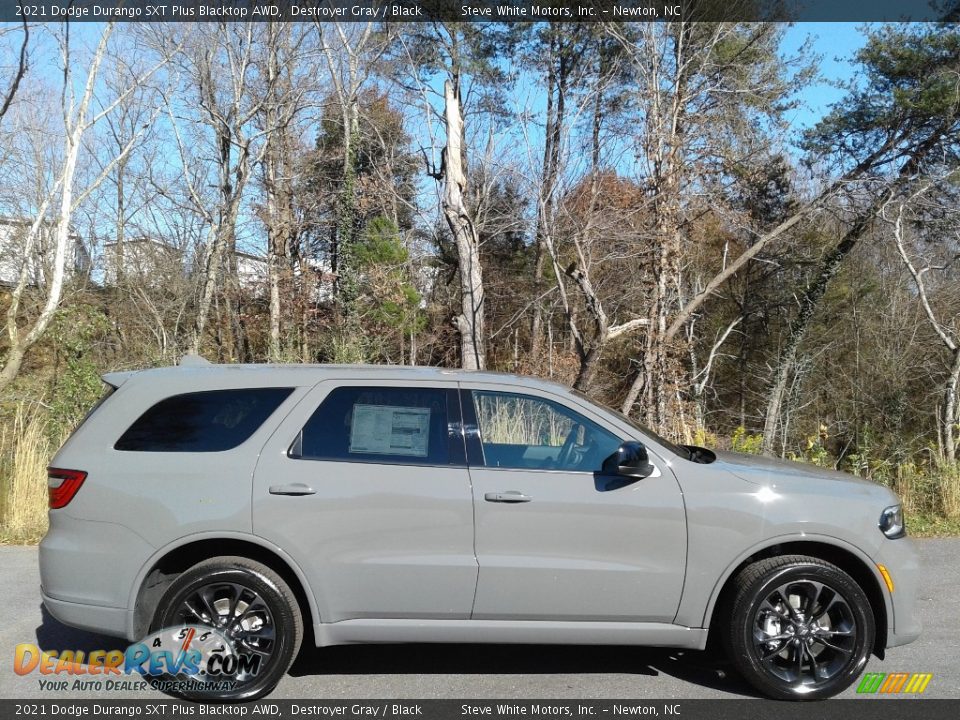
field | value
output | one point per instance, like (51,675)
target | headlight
(891,522)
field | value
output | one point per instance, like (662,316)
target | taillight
(62,485)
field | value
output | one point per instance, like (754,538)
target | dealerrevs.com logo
(894,683)
(180,659)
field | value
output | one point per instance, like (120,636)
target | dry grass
(933,491)
(515,420)
(25,449)
(950,492)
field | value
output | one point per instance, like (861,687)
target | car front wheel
(799,628)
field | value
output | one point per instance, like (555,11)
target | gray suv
(224,513)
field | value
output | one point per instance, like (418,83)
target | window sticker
(386,430)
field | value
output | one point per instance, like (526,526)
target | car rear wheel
(799,628)
(242,623)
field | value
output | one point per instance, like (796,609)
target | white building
(39,263)
(141,259)
(252,272)
(152,262)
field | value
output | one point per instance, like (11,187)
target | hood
(765,471)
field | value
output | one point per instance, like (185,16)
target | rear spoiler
(116,379)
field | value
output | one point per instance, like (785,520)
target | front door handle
(508,496)
(292,489)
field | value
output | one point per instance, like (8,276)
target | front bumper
(903,563)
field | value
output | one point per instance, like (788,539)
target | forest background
(717,228)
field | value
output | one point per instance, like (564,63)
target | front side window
(208,421)
(680,450)
(382,424)
(532,433)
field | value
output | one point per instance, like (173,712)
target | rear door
(365,484)
(555,538)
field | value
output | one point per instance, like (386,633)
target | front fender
(766,544)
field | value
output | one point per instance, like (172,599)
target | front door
(555,539)
(366,486)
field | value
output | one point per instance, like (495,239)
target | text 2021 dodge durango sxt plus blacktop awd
(243,508)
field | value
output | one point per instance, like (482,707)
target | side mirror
(630,460)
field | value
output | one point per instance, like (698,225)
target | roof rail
(193,361)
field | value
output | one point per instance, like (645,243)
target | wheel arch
(848,558)
(164,566)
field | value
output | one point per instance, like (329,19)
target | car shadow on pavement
(700,668)
(54,635)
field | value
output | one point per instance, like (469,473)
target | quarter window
(208,421)
(385,425)
(532,433)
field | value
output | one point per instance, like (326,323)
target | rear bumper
(87,570)
(94,618)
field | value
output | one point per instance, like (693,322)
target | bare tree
(701,377)
(911,160)
(220,61)
(349,62)
(19,71)
(688,74)
(286,90)
(946,332)
(587,221)
(77,121)
(448,50)
(470,321)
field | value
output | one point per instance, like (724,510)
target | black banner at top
(481,10)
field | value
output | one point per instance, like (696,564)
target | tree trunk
(274,351)
(121,225)
(469,322)
(556,111)
(346,206)
(798,329)
(221,253)
(274,175)
(663,146)
(951,411)
(17,352)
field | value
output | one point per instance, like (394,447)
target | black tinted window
(381,424)
(202,421)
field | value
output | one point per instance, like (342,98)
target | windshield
(678,450)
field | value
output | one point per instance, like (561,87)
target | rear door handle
(292,489)
(507,496)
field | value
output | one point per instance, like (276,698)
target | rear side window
(384,425)
(202,421)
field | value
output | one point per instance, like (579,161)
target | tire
(250,606)
(792,608)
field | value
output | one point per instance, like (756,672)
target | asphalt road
(495,671)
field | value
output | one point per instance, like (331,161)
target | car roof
(193,369)
(195,374)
